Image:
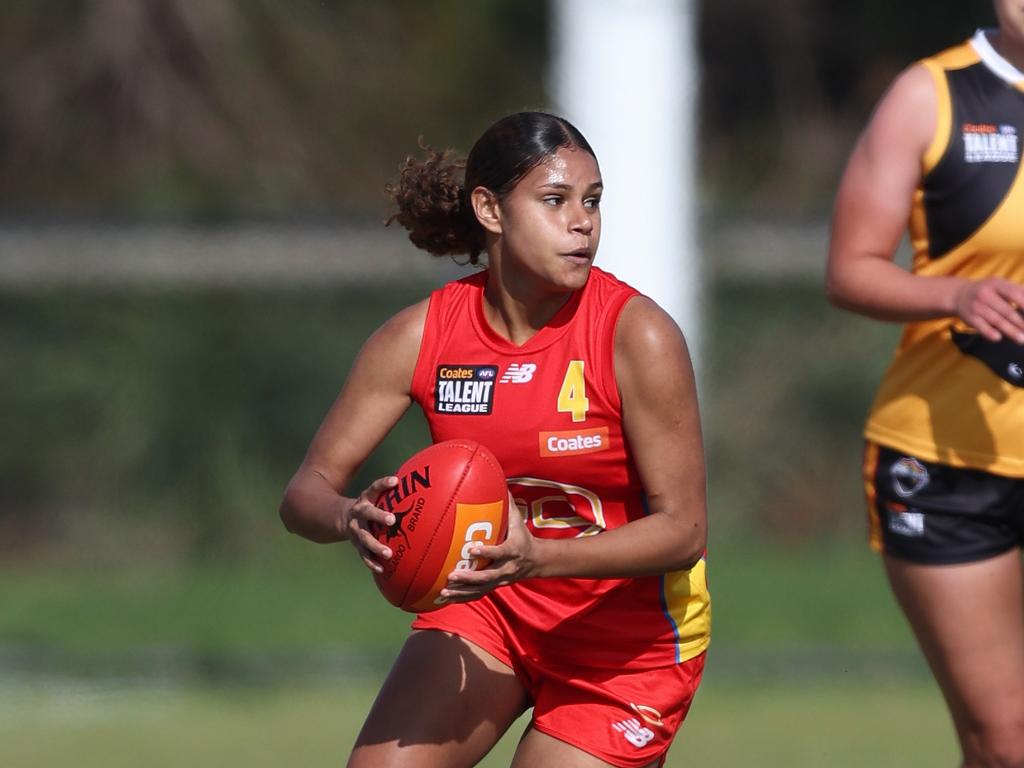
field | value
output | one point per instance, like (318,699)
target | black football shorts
(936,514)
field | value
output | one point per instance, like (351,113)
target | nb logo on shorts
(518,373)
(907,523)
(635,734)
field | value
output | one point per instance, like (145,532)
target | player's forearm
(652,545)
(877,288)
(313,510)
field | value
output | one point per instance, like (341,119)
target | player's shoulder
(389,355)
(471,283)
(957,56)
(447,301)
(407,326)
(645,331)
(604,298)
(916,88)
(913,89)
(400,336)
(651,360)
(639,324)
(408,321)
(906,117)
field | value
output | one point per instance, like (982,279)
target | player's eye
(592,202)
(552,199)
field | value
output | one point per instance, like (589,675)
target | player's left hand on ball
(361,515)
(512,560)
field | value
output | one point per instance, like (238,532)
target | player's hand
(356,524)
(992,307)
(512,560)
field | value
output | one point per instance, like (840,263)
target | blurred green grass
(841,726)
(311,598)
(320,598)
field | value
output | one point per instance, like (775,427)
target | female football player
(944,461)
(594,610)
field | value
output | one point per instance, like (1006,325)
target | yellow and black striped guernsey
(936,402)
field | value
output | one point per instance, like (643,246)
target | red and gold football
(449,498)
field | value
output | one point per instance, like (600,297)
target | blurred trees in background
(242,106)
(163,426)
(225,107)
(788,85)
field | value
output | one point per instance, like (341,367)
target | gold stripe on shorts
(874,522)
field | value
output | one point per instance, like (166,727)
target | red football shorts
(625,717)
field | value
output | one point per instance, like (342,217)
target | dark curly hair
(433,204)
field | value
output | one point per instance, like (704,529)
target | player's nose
(581,220)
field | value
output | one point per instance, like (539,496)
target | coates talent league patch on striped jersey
(990,143)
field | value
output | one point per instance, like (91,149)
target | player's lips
(580,255)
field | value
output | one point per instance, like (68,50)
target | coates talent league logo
(463,390)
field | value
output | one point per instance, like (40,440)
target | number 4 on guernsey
(572,397)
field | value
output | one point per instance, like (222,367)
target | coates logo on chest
(573,442)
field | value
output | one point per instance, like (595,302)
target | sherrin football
(449,498)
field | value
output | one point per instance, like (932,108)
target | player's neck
(1010,49)
(517,309)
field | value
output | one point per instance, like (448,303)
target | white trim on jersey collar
(993,60)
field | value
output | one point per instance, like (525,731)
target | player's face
(551,220)
(1011,20)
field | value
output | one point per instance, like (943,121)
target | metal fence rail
(302,254)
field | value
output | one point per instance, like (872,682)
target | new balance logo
(635,734)
(518,373)
(907,523)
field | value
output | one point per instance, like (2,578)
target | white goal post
(625,73)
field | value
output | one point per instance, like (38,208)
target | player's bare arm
(662,424)
(372,401)
(873,204)
(661,421)
(871,212)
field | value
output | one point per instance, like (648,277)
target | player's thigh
(540,749)
(594,716)
(445,703)
(969,621)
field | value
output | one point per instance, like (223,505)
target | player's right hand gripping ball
(449,498)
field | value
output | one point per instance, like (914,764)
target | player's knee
(999,746)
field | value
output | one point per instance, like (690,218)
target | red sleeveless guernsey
(550,411)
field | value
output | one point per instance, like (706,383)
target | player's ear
(487,210)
